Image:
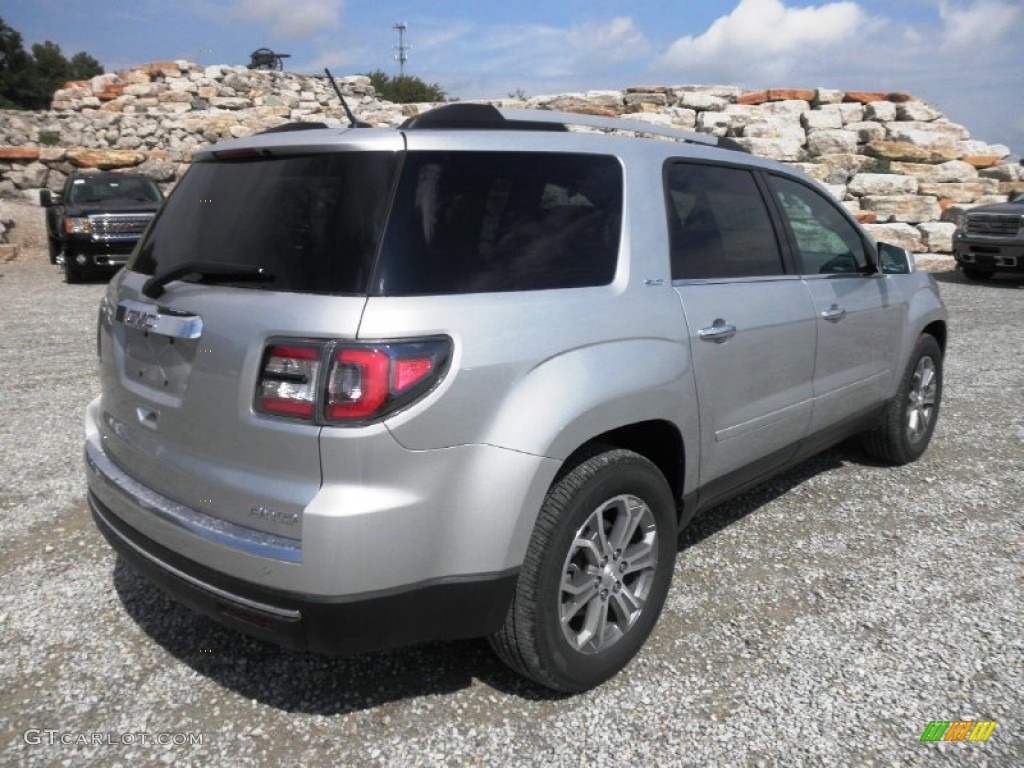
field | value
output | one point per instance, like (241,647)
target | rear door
(859,310)
(752,326)
(180,363)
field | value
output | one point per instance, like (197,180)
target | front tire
(596,573)
(73,273)
(906,426)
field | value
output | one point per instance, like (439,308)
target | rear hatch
(260,242)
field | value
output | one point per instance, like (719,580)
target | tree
(406,89)
(27,81)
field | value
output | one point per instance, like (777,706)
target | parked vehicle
(95,222)
(990,239)
(471,377)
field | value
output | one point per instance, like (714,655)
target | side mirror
(893,260)
(45,198)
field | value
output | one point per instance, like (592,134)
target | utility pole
(401,57)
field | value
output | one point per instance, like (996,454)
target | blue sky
(964,56)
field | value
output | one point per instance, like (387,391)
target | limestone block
(821,119)
(229,102)
(659,99)
(828,96)
(775,127)
(981,149)
(817,171)
(903,150)
(611,99)
(953,170)
(700,101)
(1011,187)
(716,123)
(831,142)
(104,159)
(838,190)
(34,175)
(867,131)
(880,111)
(917,111)
(842,167)
(960,191)
(1004,172)
(937,236)
(883,184)
(787,107)
(728,92)
(774,149)
(910,209)
(902,235)
(851,112)
(920,132)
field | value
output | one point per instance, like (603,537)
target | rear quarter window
(482,222)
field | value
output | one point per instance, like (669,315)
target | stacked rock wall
(897,163)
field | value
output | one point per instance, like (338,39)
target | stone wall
(896,162)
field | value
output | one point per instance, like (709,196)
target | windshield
(105,189)
(313,222)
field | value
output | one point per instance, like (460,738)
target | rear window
(313,222)
(478,222)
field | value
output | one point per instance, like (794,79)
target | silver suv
(470,377)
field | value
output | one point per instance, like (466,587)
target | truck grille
(993,224)
(113,227)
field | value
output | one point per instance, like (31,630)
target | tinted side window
(826,242)
(718,224)
(480,222)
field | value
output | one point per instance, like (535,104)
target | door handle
(718,332)
(834,314)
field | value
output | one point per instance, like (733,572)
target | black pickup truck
(990,239)
(95,222)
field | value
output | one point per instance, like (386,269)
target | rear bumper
(446,609)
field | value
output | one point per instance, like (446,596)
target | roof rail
(485,116)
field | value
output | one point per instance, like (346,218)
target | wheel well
(938,330)
(657,441)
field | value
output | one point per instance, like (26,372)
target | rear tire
(973,273)
(596,573)
(906,426)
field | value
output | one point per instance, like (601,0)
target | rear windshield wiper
(209,272)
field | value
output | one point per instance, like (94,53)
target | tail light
(342,383)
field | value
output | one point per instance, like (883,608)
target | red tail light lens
(363,382)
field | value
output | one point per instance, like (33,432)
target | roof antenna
(351,118)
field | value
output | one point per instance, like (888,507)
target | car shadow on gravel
(310,683)
(999,280)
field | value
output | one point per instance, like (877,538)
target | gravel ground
(822,619)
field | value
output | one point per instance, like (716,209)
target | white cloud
(294,19)
(978,23)
(767,37)
(616,40)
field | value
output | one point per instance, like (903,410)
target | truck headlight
(77,226)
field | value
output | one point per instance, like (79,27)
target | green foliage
(28,80)
(49,138)
(407,89)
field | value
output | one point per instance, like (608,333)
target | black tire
(973,273)
(898,439)
(73,273)
(598,491)
(54,249)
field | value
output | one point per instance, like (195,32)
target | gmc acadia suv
(471,376)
